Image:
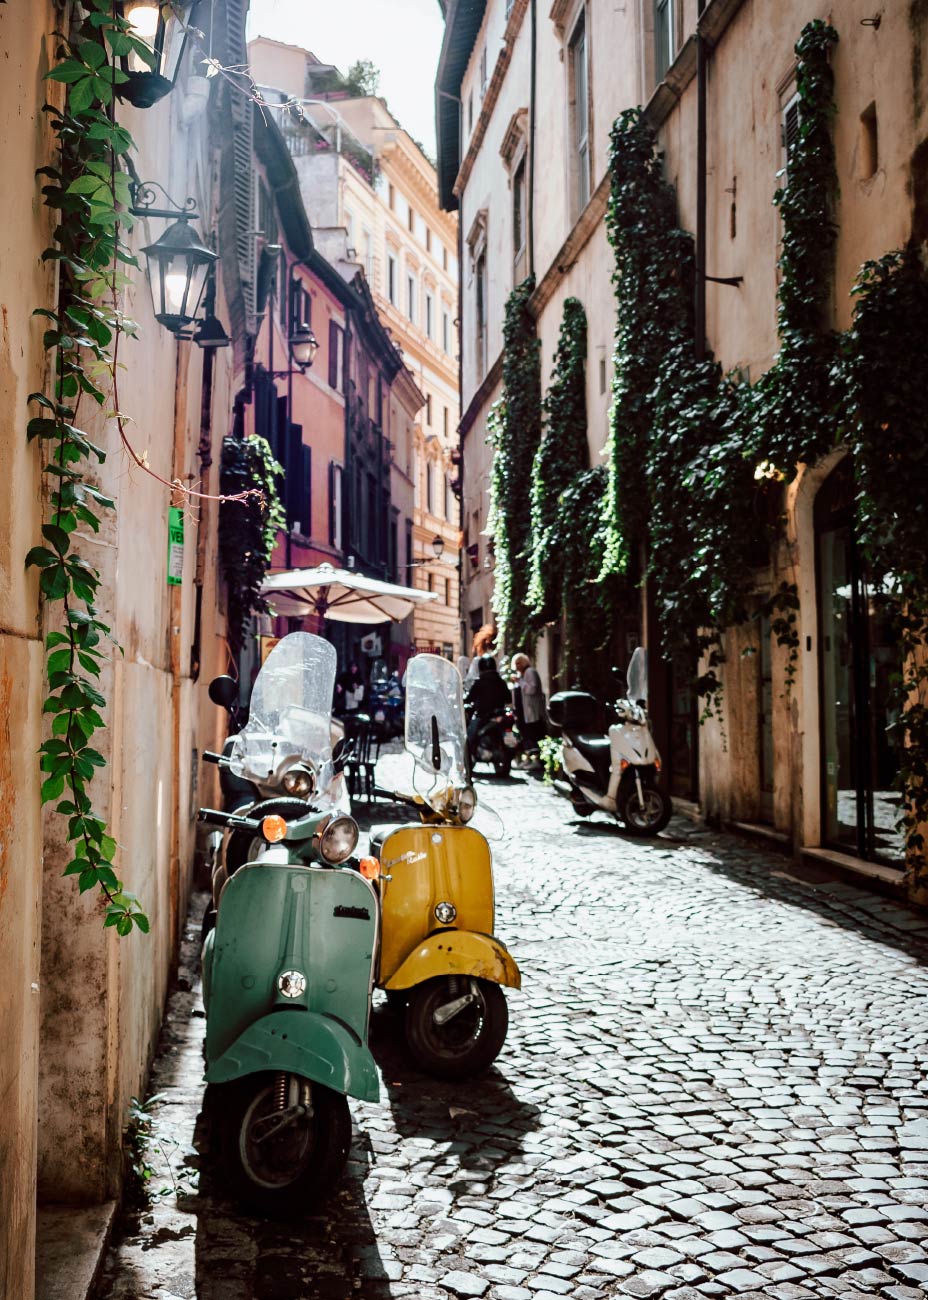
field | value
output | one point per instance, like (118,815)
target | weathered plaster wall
(25,282)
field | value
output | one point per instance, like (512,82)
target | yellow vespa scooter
(439,961)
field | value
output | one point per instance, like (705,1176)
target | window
(447,648)
(429,314)
(391,196)
(518,217)
(444,420)
(368,250)
(483,72)
(428,240)
(444,258)
(411,297)
(446,332)
(301,304)
(428,409)
(664,37)
(335,356)
(789,131)
(449,500)
(391,278)
(480,303)
(411,218)
(349,226)
(470,111)
(335,505)
(602,374)
(430,488)
(581,115)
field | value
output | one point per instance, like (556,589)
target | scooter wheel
(470,1041)
(288,1173)
(644,819)
(501,766)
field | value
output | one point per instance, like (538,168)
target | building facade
(526,99)
(368,186)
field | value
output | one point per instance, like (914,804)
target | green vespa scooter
(288,969)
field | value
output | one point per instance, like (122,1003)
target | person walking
(486,696)
(528,685)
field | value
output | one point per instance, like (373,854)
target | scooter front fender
(457,952)
(301,1042)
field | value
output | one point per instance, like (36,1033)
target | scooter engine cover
(431,865)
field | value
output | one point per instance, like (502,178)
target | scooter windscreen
(637,678)
(436,739)
(436,736)
(289,718)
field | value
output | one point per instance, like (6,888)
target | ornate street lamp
(178,265)
(438,547)
(158,26)
(303,346)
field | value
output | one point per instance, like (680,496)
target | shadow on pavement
(476,1125)
(326,1256)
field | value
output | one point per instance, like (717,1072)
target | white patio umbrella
(340,594)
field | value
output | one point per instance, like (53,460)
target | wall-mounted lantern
(159,26)
(178,264)
(303,346)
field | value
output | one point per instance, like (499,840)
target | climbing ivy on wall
(653,280)
(249,518)
(884,364)
(514,431)
(87,188)
(562,454)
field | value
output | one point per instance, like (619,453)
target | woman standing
(528,684)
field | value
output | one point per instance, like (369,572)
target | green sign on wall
(175,546)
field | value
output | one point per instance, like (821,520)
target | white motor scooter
(618,772)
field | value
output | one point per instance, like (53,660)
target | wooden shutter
(333,354)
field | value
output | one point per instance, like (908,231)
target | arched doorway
(858,657)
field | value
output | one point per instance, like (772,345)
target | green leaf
(124,925)
(58,538)
(70,70)
(82,94)
(141,920)
(41,557)
(52,788)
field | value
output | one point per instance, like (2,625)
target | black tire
(501,766)
(397,1000)
(470,1042)
(287,1175)
(648,821)
(209,923)
(581,807)
(238,849)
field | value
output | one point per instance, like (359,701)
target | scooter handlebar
(219,759)
(395,796)
(216,817)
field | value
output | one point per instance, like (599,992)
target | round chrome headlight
(299,781)
(339,839)
(467,803)
(292,983)
(445,913)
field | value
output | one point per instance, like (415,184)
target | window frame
(580,122)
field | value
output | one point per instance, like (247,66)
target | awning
(340,594)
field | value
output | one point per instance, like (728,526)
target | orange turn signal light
(623,764)
(657,765)
(273,828)
(369,868)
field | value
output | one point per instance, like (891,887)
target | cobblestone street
(714,1084)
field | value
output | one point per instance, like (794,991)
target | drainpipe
(177,903)
(699,313)
(205,456)
(531,146)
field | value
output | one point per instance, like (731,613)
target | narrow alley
(711,1087)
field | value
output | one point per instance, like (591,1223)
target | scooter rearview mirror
(224,691)
(436,748)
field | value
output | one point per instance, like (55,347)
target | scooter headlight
(299,781)
(339,840)
(467,803)
(445,913)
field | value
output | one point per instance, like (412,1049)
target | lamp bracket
(144,197)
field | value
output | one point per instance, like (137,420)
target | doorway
(858,657)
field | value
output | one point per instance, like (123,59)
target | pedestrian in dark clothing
(488,694)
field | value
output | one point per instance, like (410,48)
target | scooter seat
(596,750)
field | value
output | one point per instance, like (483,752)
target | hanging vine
(249,519)
(514,431)
(89,190)
(562,454)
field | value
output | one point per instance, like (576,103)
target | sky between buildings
(402,37)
